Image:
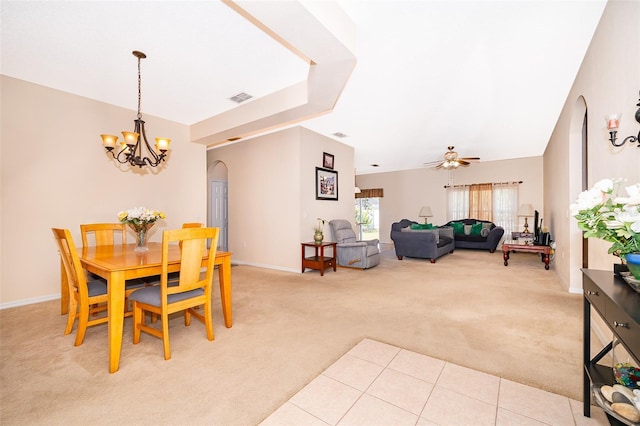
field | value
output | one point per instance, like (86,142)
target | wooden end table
(508,246)
(320,262)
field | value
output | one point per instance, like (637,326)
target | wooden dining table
(118,263)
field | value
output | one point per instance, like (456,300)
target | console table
(319,261)
(619,306)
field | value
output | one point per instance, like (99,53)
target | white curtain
(457,203)
(505,207)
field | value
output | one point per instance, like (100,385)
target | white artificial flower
(604,185)
(634,196)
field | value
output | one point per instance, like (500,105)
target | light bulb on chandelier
(130,150)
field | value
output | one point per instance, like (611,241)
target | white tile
(507,418)
(598,417)
(417,365)
(446,407)
(370,411)
(401,390)
(424,422)
(288,414)
(376,352)
(354,372)
(535,403)
(326,399)
(473,383)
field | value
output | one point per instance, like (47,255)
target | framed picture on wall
(327,160)
(326,184)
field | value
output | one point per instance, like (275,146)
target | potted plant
(140,219)
(318,234)
(601,213)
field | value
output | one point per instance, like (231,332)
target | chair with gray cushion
(193,288)
(351,252)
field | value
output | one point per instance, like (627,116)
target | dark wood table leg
(505,255)
(321,259)
(546,261)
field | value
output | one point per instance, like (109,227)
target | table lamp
(425,212)
(525,211)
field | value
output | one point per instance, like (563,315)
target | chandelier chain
(139,90)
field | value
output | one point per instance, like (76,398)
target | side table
(320,261)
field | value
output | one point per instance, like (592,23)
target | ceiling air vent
(240,97)
(340,135)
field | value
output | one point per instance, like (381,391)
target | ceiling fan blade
(469,158)
(439,166)
(463,163)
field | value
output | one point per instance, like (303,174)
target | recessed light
(240,97)
(340,135)
(374,165)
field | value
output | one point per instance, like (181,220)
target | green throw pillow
(422,226)
(476,229)
(458,227)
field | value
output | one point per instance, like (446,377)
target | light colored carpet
(515,322)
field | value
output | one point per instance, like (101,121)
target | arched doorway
(578,182)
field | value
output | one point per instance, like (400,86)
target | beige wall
(406,191)
(272,205)
(55,173)
(607,82)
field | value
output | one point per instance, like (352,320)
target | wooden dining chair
(189,292)
(108,234)
(173,276)
(104,234)
(85,297)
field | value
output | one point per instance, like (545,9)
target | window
(367,213)
(495,202)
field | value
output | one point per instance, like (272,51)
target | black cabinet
(619,306)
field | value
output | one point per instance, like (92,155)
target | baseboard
(31,301)
(261,265)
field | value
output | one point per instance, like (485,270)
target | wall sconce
(426,213)
(525,210)
(613,121)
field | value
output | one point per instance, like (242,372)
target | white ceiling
(489,77)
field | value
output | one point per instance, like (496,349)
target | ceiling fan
(451,160)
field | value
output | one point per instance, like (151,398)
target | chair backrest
(104,234)
(192,249)
(192,225)
(76,278)
(342,231)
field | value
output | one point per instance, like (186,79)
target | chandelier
(130,149)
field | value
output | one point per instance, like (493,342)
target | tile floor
(379,384)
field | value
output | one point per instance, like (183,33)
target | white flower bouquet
(601,213)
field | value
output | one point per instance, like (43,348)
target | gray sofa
(421,243)
(488,238)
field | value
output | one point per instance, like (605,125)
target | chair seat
(96,288)
(151,295)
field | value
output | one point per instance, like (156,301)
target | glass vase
(141,231)
(318,237)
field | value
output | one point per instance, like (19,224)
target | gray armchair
(353,253)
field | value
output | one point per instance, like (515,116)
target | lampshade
(357,190)
(425,211)
(525,210)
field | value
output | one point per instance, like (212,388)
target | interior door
(219,213)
